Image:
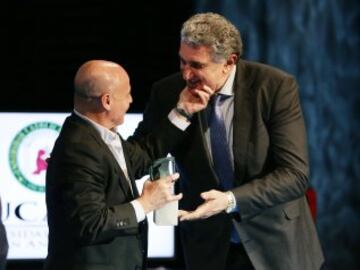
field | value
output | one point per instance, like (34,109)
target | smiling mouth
(193,83)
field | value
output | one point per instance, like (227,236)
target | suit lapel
(241,124)
(242,120)
(123,181)
(135,192)
(124,185)
(202,128)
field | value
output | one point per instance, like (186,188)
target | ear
(230,62)
(232,59)
(106,101)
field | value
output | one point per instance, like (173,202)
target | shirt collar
(228,89)
(108,136)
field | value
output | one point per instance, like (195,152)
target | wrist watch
(183,113)
(231,202)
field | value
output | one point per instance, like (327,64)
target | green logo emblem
(28,152)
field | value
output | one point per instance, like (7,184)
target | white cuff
(179,121)
(139,210)
(231,202)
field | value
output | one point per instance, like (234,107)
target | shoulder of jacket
(263,70)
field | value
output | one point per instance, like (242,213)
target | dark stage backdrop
(318,41)
(44,42)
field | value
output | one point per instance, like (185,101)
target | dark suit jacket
(92,224)
(271,172)
(3,243)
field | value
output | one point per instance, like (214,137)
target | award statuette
(168,214)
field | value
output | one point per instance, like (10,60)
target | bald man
(96,217)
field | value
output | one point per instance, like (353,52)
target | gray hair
(212,30)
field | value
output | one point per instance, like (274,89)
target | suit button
(120,223)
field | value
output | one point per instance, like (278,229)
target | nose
(186,72)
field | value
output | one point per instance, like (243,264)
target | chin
(121,121)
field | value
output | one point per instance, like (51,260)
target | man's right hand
(157,193)
(193,100)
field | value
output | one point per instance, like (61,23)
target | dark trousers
(238,259)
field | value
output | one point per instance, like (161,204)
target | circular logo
(28,153)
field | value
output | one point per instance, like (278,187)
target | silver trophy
(168,214)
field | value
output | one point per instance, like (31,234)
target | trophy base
(167,215)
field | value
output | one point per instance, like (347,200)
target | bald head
(97,77)
(102,92)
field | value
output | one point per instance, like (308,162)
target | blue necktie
(220,146)
(220,151)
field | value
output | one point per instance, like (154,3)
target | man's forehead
(195,55)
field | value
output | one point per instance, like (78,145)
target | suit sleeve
(155,135)
(83,174)
(3,241)
(286,178)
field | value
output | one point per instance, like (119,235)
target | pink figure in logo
(41,163)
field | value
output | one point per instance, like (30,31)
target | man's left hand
(215,202)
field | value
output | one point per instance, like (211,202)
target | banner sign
(26,140)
